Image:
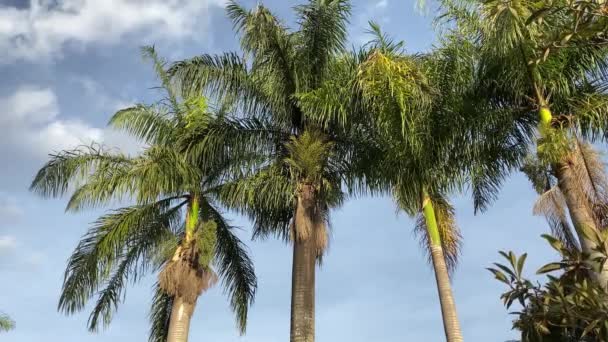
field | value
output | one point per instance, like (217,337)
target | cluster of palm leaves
(287,129)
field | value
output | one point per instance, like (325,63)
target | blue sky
(67,65)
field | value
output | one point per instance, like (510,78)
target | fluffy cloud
(31,123)
(45,27)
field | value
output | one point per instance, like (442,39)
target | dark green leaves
(567,307)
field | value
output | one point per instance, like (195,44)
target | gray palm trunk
(179,325)
(303,269)
(303,291)
(448,307)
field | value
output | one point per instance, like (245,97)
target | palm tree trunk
(179,325)
(303,274)
(578,205)
(580,213)
(451,325)
(182,310)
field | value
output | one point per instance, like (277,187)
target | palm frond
(109,252)
(322,33)
(235,268)
(148,52)
(159,171)
(145,123)
(224,76)
(160,315)
(73,166)
(552,205)
(591,173)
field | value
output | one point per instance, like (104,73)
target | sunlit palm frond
(145,123)
(396,90)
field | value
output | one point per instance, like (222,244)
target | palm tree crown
(132,241)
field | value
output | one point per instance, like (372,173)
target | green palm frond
(233,139)
(148,52)
(592,114)
(266,197)
(73,166)
(223,76)
(235,268)
(118,244)
(337,101)
(396,90)
(159,171)
(145,123)
(308,155)
(322,33)
(160,315)
(383,41)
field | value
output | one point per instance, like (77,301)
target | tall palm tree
(427,128)
(152,235)
(6,323)
(527,59)
(303,160)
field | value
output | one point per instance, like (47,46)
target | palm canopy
(286,141)
(430,130)
(531,56)
(127,243)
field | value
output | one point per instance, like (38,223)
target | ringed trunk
(179,325)
(451,325)
(303,270)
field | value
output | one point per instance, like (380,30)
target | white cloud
(31,123)
(42,30)
(8,243)
(382,4)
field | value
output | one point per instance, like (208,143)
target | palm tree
(551,204)
(527,59)
(6,323)
(151,235)
(427,128)
(303,158)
